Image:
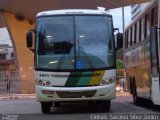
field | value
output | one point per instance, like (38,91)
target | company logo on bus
(43,75)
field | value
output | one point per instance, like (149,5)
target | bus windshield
(74,42)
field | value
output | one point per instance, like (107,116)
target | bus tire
(91,103)
(106,105)
(131,85)
(45,107)
(136,99)
(57,104)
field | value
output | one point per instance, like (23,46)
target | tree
(119,64)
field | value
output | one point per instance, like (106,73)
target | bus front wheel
(57,104)
(45,106)
(106,105)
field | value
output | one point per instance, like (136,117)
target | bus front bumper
(51,94)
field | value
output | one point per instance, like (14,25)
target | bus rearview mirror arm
(116,29)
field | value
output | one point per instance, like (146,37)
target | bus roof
(72,11)
(142,13)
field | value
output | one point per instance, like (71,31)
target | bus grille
(76,86)
(76,94)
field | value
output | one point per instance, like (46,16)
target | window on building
(3,74)
(2,56)
(12,55)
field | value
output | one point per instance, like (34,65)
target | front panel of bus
(73,53)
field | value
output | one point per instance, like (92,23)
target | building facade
(7,64)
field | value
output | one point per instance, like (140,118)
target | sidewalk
(17,96)
(123,94)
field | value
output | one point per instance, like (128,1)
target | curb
(123,94)
(17,96)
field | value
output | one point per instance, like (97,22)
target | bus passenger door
(155,90)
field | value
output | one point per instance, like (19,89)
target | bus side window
(131,36)
(126,39)
(135,33)
(152,17)
(140,30)
(145,26)
(156,16)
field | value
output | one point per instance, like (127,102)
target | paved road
(75,111)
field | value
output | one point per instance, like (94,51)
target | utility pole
(123,20)
(123,24)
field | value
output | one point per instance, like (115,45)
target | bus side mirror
(119,40)
(29,39)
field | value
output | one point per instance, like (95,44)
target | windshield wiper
(88,59)
(61,61)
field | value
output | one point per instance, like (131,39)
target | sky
(5,37)
(117,17)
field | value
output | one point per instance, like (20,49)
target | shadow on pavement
(77,108)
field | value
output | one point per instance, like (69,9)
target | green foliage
(119,51)
(119,64)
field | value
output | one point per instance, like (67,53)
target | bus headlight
(104,82)
(40,82)
(111,80)
(48,83)
(107,81)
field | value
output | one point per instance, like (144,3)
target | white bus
(74,57)
(141,55)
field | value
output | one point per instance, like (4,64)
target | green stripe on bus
(73,79)
(84,81)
